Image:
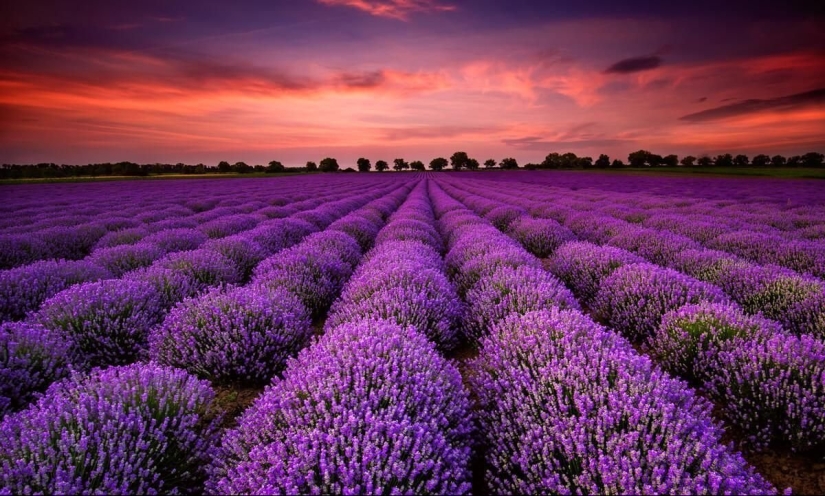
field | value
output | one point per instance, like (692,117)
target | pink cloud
(394,9)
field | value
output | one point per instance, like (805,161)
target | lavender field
(449,333)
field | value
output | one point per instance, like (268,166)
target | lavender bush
(233,334)
(634,297)
(540,237)
(511,290)
(689,338)
(371,407)
(566,407)
(108,320)
(242,251)
(124,258)
(208,268)
(582,266)
(774,390)
(138,429)
(24,289)
(31,358)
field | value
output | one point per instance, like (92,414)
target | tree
(312,166)
(778,161)
(328,165)
(438,164)
(741,160)
(761,160)
(585,162)
(813,159)
(364,165)
(508,163)
(569,160)
(794,161)
(654,160)
(616,164)
(399,164)
(704,161)
(490,163)
(531,166)
(688,161)
(223,166)
(459,160)
(275,166)
(472,164)
(241,168)
(551,161)
(603,162)
(638,158)
(723,160)
(417,165)
(381,166)
(670,160)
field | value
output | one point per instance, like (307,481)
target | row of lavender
(370,407)
(107,322)
(74,221)
(564,404)
(772,382)
(23,289)
(789,234)
(144,406)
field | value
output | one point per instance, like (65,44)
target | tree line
(457,161)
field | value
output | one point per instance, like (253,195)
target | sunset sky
(204,81)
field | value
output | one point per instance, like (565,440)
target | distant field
(151,177)
(790,173)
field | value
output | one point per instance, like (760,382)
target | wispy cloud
(754,105)
(394,9)
(635,64)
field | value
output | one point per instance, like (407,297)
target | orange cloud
(394,9)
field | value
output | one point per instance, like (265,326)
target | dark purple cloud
(754,105)
(634,64)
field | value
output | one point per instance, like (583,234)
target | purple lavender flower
(510,290)
(242,251)
(134,429)
(794,300)
(582,266)
(108,320)
(124,258)
(689,338)
(207,267)
(24,289)
(228,225)
(659,247)
(275,235)
(31,358)
(173,240)
(336,243)
(122,237)
(314,276)
(71,243)
(774,389)
(540,237)
(370,407)
(404,292)
(171,286)
(358,226)
(634,297)
(20,249)
(410,230)
(502,216)
(243,334)
(567,407)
